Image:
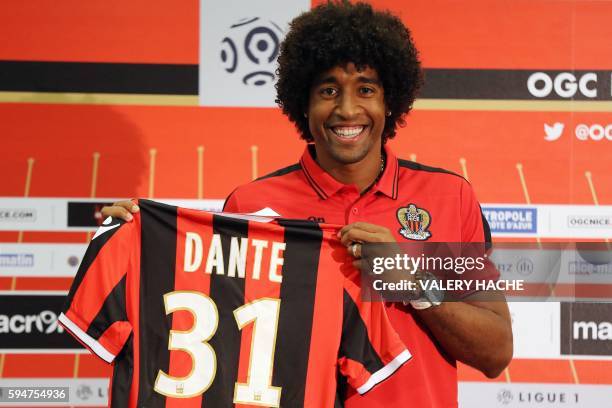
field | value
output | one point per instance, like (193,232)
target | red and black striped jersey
(207,310)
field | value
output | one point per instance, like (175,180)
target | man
(347,77)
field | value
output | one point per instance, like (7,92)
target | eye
(366,90)
(328,91)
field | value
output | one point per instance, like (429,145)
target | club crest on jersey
(414,222)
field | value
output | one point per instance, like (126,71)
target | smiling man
(348,75)
(346,118)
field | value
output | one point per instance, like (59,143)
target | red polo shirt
(448,212)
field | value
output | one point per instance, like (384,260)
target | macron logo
(105,227)
(592,331)
(553,132)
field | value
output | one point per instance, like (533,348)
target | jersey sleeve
(474,230)
(231,203)
(370,349)
(474,226)
(95,309)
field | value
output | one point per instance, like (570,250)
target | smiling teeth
(348,132)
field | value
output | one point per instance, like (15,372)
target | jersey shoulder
(278,184)
(427,170)
(275,175)
(431,179)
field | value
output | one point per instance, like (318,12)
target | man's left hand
(357,233)
(364,232)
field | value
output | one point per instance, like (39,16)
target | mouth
(348,132)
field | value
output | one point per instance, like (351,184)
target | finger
(117,212)
(380,234)
(366,226)
(354,250)
(128,205)
(357,235)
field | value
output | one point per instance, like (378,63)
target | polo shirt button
(355,211)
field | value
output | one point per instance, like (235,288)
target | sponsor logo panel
(550,220)
(593,224)
(589,221)
(18,215)
(239,44)
(527,395)
(586,329)
(49,260)
(16,260)
(28,323)
(575,221)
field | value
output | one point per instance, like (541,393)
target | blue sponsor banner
(512,219)
(16,260)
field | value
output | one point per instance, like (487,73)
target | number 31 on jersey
(263,313)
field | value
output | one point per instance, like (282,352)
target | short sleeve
(95,309)
(370,349)
(475,229)
(231,203)
(474,226)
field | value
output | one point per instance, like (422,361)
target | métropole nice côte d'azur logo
(512,219)
(414,222)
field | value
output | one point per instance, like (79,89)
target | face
(346,115)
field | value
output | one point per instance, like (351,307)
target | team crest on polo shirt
(414,222)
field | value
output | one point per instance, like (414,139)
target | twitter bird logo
(553,132)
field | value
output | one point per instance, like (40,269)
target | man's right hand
(121,209)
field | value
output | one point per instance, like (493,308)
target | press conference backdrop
(102,100)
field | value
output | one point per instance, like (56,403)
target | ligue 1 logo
(250,49)
(505,396)
(84,392)
(239,45)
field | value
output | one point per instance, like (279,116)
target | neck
(362,174)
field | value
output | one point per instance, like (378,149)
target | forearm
(475,335)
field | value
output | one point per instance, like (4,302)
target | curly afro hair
(335,34)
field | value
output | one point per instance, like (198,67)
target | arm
(474,331)
(477,333)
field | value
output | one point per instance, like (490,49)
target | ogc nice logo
(414,222)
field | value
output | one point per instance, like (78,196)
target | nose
(347,106)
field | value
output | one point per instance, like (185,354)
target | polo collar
(325,185)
